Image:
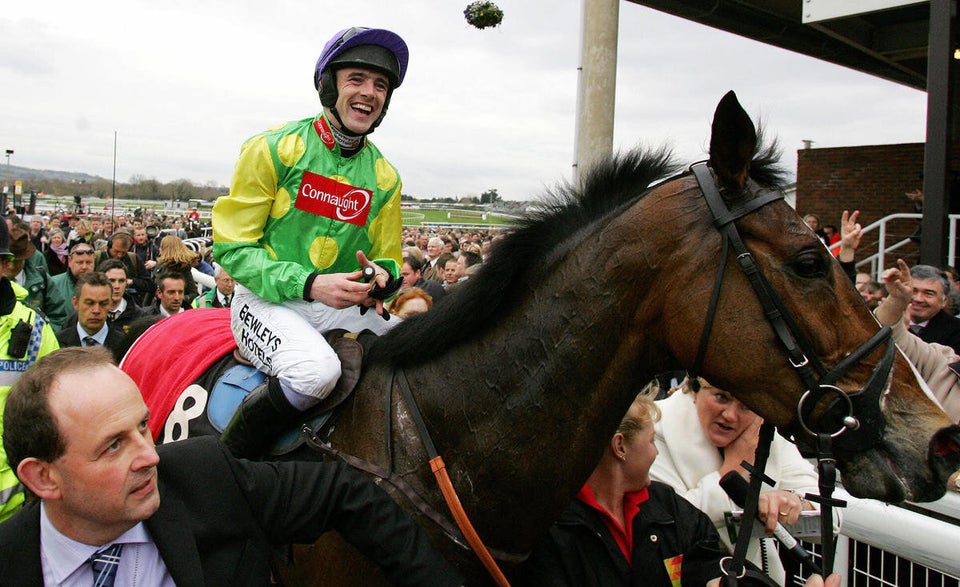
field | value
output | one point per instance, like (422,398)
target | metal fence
(883,545)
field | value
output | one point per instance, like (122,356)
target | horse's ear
(732,142)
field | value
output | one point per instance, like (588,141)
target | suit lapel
(69,337)
(170,529)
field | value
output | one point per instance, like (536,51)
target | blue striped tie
(105,563)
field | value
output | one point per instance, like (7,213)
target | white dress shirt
(65,561)
(100,336)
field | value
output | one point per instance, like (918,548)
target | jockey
(311,204)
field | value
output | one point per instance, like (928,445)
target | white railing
(909,538)
(888,242)
(882,545)
(464,225)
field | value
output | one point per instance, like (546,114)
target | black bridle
(853,421)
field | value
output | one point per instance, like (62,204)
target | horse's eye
(810,265)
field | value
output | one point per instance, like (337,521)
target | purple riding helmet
(377,49)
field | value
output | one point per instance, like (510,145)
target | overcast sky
(184,82)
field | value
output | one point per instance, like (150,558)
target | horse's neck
(520,410)
(520,417)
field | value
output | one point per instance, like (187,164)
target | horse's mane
(563,217)
(765,167)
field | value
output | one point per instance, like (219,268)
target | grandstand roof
(890,43)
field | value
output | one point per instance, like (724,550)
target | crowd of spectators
(51,252)
(151,271)
(130,259)
(927,297)
(437,261)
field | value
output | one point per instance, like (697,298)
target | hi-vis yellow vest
(42,342)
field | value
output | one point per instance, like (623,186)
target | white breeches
(286,340)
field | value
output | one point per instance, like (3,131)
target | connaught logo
(331,199)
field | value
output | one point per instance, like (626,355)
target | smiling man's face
(361,94)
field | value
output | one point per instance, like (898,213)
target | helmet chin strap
(350,142)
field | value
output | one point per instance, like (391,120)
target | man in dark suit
(124,308)
(412,273)
(89,327)
(76,431)
(928,319)
(170,288)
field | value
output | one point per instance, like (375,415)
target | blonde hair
(413,252)
(174,251)
(648,408)
(471,248)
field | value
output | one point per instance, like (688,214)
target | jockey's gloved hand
(377,292)
(384,293)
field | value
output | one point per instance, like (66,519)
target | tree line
(138,188)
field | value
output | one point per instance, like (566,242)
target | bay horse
(522,374)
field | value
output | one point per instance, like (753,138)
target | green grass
(471,217)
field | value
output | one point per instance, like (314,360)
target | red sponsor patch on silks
(331,199)
(323,131)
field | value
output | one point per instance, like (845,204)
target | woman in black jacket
(623,529)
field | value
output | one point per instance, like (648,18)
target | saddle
(241,377)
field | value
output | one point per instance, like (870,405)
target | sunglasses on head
(82,252)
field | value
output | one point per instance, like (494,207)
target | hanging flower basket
(483,14)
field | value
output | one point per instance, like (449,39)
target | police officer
(33,277)
(25,336)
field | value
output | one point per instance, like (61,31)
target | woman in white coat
(707,433)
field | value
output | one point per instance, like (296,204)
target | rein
(850,421)
(446,487)
(463,534)
(732,567)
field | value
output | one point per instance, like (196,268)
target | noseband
(850,421)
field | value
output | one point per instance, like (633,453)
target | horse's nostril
(946,442)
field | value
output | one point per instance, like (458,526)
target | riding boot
(259,420)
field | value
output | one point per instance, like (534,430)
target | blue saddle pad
(229,391)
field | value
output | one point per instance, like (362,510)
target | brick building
(873,179)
